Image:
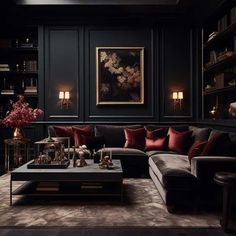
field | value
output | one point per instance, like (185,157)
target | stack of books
(212,35)
(7,92)
(4,67)
(30,90)
(30,65)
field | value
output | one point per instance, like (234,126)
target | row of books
(222,23)
(29,90)
(30,65)
(4,67)
(233,15)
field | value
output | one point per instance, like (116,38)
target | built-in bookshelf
(18,67)
(219,65)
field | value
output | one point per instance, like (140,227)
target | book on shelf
(4,67)
(7,92)
(31,65)
(233,15)
(26,45)
(48,186)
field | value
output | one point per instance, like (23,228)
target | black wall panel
(119,37)
(62,72)
(69,61)
(176,71)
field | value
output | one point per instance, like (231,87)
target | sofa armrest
(205,167)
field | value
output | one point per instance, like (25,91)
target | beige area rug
(142,207)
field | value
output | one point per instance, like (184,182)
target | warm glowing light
(175,95)
(180,95)
(61,95)
(67,95)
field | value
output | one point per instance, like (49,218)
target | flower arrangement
(21,114)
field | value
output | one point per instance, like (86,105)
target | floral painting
(120,75)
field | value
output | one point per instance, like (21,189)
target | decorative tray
(34,165)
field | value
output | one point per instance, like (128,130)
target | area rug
(142,207)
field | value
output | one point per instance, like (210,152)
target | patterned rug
(142,207)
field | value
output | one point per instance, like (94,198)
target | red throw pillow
(135,138)
(64,131)
(196,149)
(218,145)
(156,144)
(78,132)
(179,141)
(154,134)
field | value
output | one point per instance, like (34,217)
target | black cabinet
(18,67)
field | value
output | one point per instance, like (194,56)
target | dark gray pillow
(200,134)
(114,136)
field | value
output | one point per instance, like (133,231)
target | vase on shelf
(18,133)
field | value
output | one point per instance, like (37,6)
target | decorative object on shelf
(214,113)
(119,75)
(64,97)
(18,133)
(20,115)
(232,109)
(177,98)
(212,35)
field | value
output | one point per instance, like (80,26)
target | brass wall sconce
(177,98)
(64,97)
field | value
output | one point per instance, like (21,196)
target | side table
(16,152)
(228,181)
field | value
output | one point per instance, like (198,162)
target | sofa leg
(171,208)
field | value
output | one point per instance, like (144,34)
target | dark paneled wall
(69,59)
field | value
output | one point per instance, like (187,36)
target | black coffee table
(72,181)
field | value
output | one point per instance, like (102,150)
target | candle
(110,154)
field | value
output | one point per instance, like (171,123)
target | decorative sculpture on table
(82,152)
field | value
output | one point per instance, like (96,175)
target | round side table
(228,181)
(16,152)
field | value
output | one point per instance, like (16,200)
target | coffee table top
(91,172)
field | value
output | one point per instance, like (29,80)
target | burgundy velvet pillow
(64,131)
(179,141)
(196,149)
(154,134)
(218,145)
(78,132)
(135,138)
(156,144)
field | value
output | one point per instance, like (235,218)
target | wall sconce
(178,97)
(64,97)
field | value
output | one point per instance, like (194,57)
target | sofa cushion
(156,133)
(62,131)
(173,171)
(200,134)
(135,138)
(114,135)
(179,141)
(196,149)
(156,144)
(179,128)
(154,152)
(217,145)
(78,132)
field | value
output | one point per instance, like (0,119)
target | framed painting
(119,75)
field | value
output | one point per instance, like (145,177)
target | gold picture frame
(119,75)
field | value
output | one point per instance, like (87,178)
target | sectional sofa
(174,161)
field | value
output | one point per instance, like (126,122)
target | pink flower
(21,114)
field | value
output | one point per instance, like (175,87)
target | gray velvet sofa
(178,182)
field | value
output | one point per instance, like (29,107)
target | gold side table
(16,152)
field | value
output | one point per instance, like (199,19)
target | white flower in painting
(103,56)
(108,64)
(121,79)
(120,70)
(105,88)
